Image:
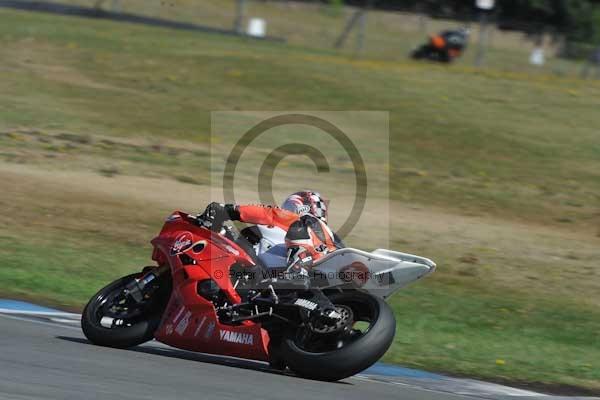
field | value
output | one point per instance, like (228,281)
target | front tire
(354,357)
(420,53)
(137,331)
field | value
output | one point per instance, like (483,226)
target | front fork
(139,288)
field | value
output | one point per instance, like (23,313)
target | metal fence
(372,34)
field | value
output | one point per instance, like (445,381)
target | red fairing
(190,322)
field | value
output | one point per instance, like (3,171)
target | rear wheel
(276,359)
(113,319)
(364,334)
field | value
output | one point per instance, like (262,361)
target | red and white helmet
(307,202)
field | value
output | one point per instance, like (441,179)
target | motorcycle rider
(444,46)
(308,238)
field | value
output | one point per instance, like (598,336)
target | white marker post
(484,6)
(257,27)
(537,57)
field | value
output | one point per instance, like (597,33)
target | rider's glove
(217,213)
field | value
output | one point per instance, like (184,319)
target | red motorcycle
(204,296)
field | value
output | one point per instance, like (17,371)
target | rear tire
(352,358)
(276,359)
(122,337)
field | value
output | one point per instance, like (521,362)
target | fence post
(483,25)
(240,11)
(362,27)
(360,36)
(358,18)
(421,12)
(347,29)
(98,4)
(116,6)
(485,7)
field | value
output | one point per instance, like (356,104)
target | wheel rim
(364,316)
(346,320)
(115,309)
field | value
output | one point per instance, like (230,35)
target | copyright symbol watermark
(267,169)
(259,157)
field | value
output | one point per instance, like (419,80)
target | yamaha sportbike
(204,295)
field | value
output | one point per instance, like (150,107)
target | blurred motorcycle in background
(444,47)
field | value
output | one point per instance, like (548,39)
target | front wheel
(334,356)
(113,319)
(420,53)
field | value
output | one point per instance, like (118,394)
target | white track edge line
(40,313)
(39,322)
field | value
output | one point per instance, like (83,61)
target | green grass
(504,337)
(389,35)
(442,324)
(504,136)
(70,272)
(502,165)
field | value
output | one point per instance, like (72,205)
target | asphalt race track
(44,359)
(41,361)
